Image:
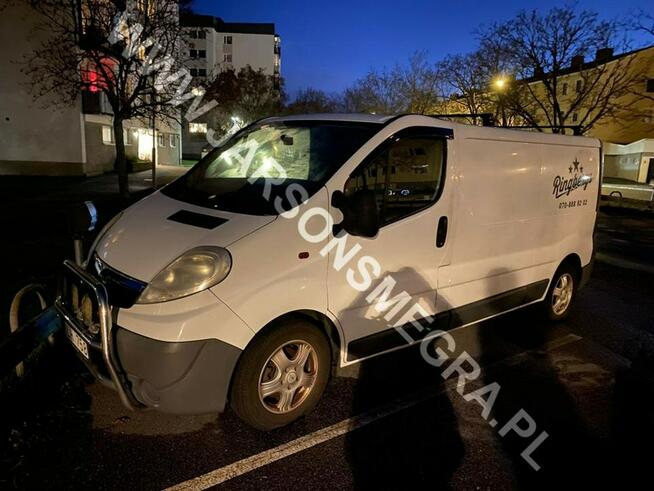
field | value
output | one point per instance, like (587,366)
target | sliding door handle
(441,233)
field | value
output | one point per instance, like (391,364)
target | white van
(307,242)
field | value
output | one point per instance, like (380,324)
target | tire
(271,386)
(561,293)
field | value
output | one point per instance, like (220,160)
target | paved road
(392,422)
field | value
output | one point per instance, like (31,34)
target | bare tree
(644,22)
(312,100)
(422,84)
(546,52)
(126,50)
(377,92)
(414,87)
(467,82)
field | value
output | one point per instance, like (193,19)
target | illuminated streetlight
(500,83)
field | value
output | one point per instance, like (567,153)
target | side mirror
(360,215)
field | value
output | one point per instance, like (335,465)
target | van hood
(158,229)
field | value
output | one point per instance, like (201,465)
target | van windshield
(259,163)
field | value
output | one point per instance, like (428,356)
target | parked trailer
(308,241)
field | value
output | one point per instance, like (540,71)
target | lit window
(197,128)
(227,40)
(107,135)
(146,6)
(129,136)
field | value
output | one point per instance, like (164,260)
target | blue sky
(329,44)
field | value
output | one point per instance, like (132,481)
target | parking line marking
(305,442)
(249,464)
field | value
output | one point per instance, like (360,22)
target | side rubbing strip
(196,219)
(450,319)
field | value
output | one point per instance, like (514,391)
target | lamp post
(154,137)
(500,84)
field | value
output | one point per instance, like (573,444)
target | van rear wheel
(561,294)
(281,375)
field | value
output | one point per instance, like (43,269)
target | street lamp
(500,83)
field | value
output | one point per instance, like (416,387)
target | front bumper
(181,378)
(177,377)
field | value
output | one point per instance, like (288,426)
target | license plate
(78,342)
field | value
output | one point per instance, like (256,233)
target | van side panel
(509,229)
(568,194)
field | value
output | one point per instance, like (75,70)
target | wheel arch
(322,321)
(573,260)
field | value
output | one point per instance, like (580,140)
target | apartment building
(636,121)
(212,46)
(43,138)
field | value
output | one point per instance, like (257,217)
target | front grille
(122,290)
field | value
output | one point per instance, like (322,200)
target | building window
(202,34)
(227,58)
(197,128)
(161,138)
(107,135)
(202,53)
(173,141)
(129,136)
(193,34)
(650,85)
(227,40)
(579,85)
(194,72)
(564,90)
(575,116)
(193,53)
(202,72)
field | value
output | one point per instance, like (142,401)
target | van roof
(464,130)
(351,117)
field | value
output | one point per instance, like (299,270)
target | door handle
(441,233)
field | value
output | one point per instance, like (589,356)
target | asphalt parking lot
(394,421)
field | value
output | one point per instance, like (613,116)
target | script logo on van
(563,185)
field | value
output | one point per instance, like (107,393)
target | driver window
(406,176)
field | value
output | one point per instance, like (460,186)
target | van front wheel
(281,375)
(561,294)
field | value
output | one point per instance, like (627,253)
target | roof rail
(576,129)
(487,119)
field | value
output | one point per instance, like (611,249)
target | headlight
(194,271)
